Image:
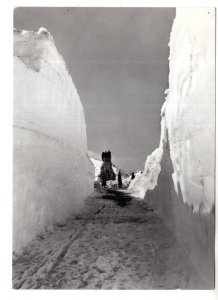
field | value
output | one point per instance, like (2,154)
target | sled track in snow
(105,246)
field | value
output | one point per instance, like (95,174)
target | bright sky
(118,59)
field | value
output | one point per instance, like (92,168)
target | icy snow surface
(106,246)
(188,115)
(147,180)
(190,105)
(52,171)
(97,165)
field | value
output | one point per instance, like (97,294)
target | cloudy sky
(118,59)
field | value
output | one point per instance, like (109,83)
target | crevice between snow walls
(52,173)
(184,194)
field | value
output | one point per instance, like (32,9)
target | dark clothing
(119,180)
(103,178)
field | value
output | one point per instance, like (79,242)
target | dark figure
(103,178)
(106,156)
(133,176)
(107,167)
(119,180)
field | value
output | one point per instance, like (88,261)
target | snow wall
(179,176)
(52,172)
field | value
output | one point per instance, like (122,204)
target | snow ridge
(190,106)
(188,114)
(52,171)
(147,180)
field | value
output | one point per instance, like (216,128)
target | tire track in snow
(42,270)
(34,275)
(106,246)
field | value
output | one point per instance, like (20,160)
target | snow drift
(178,179)
(52,171)
(147,180)
(190,107)
(188,115)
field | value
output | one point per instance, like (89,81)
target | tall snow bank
(52,171)
(183,190)
(188,115)
(147,180)
(190,105)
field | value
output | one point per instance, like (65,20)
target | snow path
(116,242)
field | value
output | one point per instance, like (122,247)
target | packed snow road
(116,242)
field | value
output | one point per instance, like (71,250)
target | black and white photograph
(113,148)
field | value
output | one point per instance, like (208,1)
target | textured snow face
(52,171)
(190,106)
(188,115)
(185,157)
(147,180)
(97,165)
